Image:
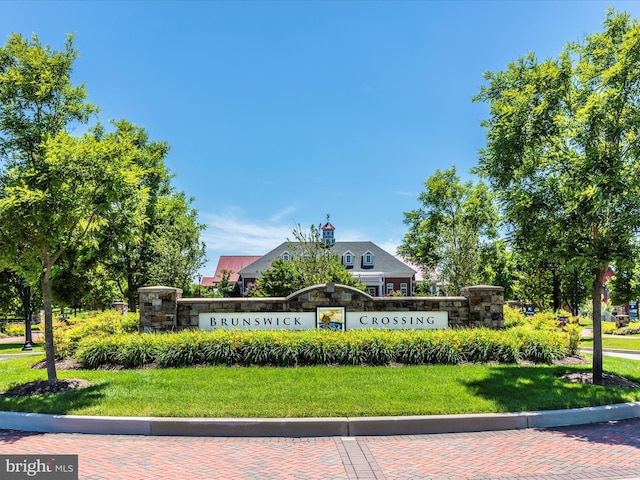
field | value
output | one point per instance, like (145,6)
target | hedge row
(357,347)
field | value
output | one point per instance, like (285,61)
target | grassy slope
(317,391)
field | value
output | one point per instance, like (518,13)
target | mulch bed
(608,379)
(43,387)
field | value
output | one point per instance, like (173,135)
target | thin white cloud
(280,215)
(389,247)
(230,234)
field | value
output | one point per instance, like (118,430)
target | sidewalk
(608,451)
(36,336)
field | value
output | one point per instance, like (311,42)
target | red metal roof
(233,263)
(328,226)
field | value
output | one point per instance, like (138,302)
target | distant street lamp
(26,295)
(199,280)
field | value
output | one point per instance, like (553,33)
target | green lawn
(618,343)
(317,391)
(17,348)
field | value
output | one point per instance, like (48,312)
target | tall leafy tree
(176,252)
(38,105)
(449,232)
(37,98)
(498,266)
(61,201)
(624,286)
(11,291)
(563,152)
(160,246)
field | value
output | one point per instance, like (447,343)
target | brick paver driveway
(603,451)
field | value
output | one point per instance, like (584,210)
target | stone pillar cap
(159,287)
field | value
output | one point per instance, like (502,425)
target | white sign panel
(333,318)
(403,320)
(258,321)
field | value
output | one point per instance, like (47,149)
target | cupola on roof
(327,233)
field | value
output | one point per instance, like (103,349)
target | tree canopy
(161,244)
(563,152)
(451,231)
(66,200)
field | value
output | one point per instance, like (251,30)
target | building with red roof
(230,263)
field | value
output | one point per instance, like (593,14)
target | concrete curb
(314,427)
(612,350)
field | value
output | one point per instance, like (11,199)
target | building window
(367,259)
(404,289)
(285,256)
(371,291)
(389,288)
(348,259)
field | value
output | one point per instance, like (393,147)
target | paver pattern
(604,451)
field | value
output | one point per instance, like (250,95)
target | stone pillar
(158,308)
(121,307)
(486,304)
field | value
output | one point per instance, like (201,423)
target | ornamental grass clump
(542,346)
(136,350)
(94,352)
(180,349)
(365,347)
(220,347)
(320,347)
(483,345)
(268,348)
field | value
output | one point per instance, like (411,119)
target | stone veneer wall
(158,308)
(486,305)
(162,308)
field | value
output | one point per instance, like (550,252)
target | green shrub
(632,329)
(14,329)
(513,317)
(319,347)
(67,335)
(608,328)
(574,334)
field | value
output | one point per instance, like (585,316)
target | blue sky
(280,112)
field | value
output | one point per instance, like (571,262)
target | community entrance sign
(330,318)
(325,306)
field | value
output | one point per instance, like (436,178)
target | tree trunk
(596,298)
(48,325)
(132,302)
(132,293)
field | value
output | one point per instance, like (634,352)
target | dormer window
(367,259)
(347,259)
(285,255)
